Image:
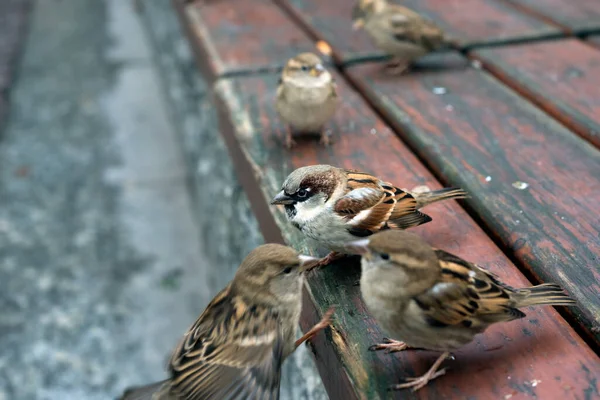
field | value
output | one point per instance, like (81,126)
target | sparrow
(434,300)
(306,96)
(399,32)
(335,206)
(236,347)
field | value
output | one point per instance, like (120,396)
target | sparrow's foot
(390,346)
(328,259)
(421,381)
(324,323)
(396,67)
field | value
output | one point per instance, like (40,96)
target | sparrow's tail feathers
(426,198)
(547,293)
(143,392)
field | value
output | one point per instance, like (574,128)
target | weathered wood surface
(241,36)
(573,15)
(471,22)
(561,76)
(594,40)
(478,134)
(519,359)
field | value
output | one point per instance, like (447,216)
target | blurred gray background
(120,215)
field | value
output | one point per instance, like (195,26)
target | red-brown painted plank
(469,21)
(561,76)
(241,36)
(540,356)
(573,15)
(594,39)
(480,135)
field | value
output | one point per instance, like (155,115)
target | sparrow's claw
(322,324)
(396,67)
(389,345)
(421,381)
(328,259)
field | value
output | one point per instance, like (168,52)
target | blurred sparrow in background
(306,97)
(433,300)
(398,31)
(335,206)
(236,348)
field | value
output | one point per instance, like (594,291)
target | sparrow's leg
(390,346)
(328,259)
(397,66)
(325,139)
(324,323)
(421,381)
(289,142)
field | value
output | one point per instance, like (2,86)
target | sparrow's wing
(153,391)
(364,204)
(408,26)
(233,351)
(467,295)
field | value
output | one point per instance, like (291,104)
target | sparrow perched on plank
(434,300)
(335,206)
(236,348)
(399,32)
(306,96)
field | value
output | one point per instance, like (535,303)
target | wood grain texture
(505,361)
(470,22)
(241,36)
(575,16)
(470,127)
(562,77)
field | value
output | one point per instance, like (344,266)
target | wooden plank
(478,134)
(241,36)
(471,22)
(562,77)
(594,40)
(576,16)
(507,361)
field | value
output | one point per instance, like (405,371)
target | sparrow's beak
(282,198)
(306,262)
(317,70)
(359,247)
(358,24)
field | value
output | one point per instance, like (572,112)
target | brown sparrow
(335,206)
(398,31)
(236,348)
(306,96)
(434,300)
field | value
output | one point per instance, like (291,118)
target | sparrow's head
(306,69)
(272,273)
(308,187)
(363,10)
(401,257)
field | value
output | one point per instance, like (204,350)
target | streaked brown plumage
(236,347)
(306,96)
(398,31)
(434,300)
(335,206)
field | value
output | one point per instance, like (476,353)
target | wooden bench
(515,108)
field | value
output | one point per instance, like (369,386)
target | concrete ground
(120,216)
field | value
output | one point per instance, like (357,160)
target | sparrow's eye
(287,270)
(302,193)
(305,68)
(384,256)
